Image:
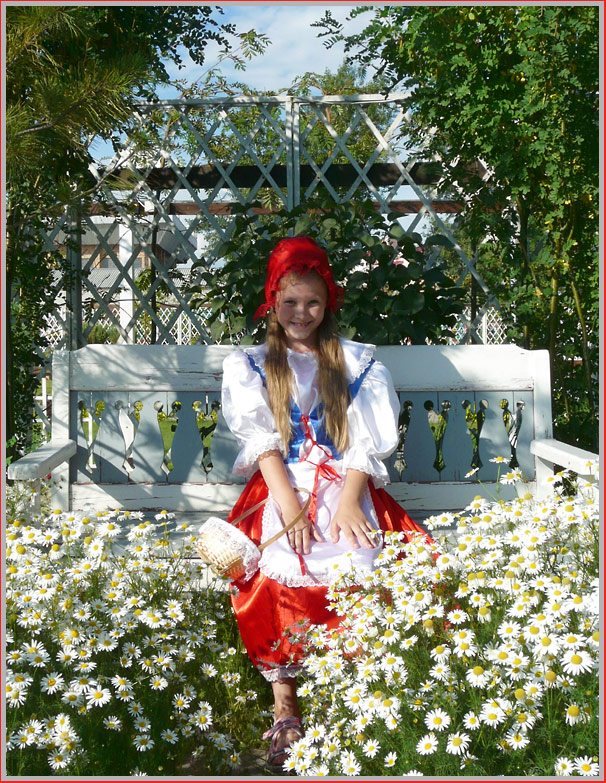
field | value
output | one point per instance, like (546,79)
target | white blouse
(373,435)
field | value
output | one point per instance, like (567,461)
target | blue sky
(295,47)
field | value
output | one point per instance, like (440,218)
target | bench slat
(39,463)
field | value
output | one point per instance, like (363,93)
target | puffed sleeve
(373,425)
(246,410)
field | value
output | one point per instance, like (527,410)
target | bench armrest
(40,462)
(555,452)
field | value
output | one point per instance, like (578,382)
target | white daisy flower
(586,766)
(573,641)
(440,672)
(457,616)
(441,653)
(16,696)
(142,725)
(97,697)
(458,743)
(349,765)
(52,683)
(427,744)
(390,759)
(492,716)
(59,760)
(516,739)
(371,748)
(575,714)
(158,683)
(478,676)
(170,736)
(72,698)
(437,720)
(509,630)
(143,742)
(471,721)
(576,662)
(546,645)
(563,767)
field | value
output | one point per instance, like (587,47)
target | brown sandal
(276,755)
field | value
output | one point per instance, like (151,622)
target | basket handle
(287,527)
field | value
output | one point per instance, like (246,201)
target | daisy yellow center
(573,711)
(576,659)
(477,670)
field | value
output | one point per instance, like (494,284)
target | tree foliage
(71,75)
(516,87)
(391,297)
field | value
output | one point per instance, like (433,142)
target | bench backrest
(150,434)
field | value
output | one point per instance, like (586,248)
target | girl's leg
(286,705)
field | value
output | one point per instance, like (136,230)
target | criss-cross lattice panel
(346,122)
(383,143)
(176,179)
(197,163)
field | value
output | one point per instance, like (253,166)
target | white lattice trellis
(183,330)
(213,154)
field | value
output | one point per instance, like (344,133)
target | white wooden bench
(121,461)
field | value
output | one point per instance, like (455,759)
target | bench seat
(140,428)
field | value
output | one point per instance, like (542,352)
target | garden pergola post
(74,288)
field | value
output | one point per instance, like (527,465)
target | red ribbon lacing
(322,469)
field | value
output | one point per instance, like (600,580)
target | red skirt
(269,614)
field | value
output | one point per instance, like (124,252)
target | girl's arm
(349,518)
(274,472)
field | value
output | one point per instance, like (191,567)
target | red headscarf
(298,255)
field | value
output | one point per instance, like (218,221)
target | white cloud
(295,47)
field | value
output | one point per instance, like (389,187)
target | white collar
(357,356)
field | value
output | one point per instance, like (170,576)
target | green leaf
(438,239)
(216,330)
(409,301)
(396,231)
(303,225)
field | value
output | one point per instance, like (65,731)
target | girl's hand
(272,467)
(352,522)
(300,536)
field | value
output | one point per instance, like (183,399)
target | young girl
(316,411)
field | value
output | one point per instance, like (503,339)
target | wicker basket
(230,553)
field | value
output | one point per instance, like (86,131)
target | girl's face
(300,307)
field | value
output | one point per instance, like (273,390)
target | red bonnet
(298,255)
